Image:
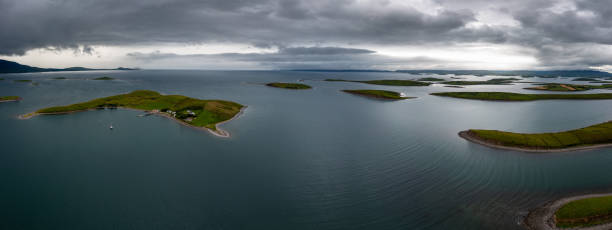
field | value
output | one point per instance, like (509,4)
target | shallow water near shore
(307,159)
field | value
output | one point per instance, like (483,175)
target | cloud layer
(562,33)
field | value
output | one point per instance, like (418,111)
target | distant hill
(14,67)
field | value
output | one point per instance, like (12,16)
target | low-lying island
(10,98)
(595,136)
(203,114)
(586,212)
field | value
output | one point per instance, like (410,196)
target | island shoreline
(466,134)
(542,217)
(218,132)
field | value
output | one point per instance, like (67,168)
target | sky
(308,34)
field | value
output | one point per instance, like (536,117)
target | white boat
(111,126)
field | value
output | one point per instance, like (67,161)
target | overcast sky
(289,34)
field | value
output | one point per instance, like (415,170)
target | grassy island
(585,79)
(387,82)
(599,135)
(503,96)
(381,94)
(430,79)
(585,212)
(9,98)
(190,111)
(23,81)
(60,78)
(288,85)
(495,81)
(104,79)
(568,87)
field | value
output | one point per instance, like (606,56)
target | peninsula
(205,114)
(380,94)
(568,87)
(288,85)
(503,96)
(387,82)
(595,136)
(10,98)
(591,211)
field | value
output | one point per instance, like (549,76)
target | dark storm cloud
(28,24)
(289,58)
(556,33)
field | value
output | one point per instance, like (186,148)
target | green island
(9,98)
(585,79)
(288,85)
(189,111)
(595,136)
(430,79)
(387,82)
(381,94)
(504,96)
(568,87)
(23,81)
(60,78)
(494,81)
(585,212)
(104,79)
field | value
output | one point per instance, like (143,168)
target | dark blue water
(312,159)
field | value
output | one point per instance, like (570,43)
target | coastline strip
(543,217)
(466,134)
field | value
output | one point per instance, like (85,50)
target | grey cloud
(32,24)
(296,58)
(79,24)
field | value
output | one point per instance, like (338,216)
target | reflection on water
(308,159)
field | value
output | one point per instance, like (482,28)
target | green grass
(503,96)
(568,87)
(60,78)
(430,79)
(23,81)
(387,82)
(592,135)
(288,85)
(383,94)
(207,112)
(10,98)
(495,81)
(585,212)
(104,79)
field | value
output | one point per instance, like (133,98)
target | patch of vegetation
(585,212)
(430,79)
(23,81)
(592,135)
(9,98)
(383,94)
(60,78)
(494,81)
(503,96)
(104,79)
(288,85)
(201,113)
(568,87)
(585,79)
(387,82)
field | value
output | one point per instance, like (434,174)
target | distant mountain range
(14,67)
(524,73)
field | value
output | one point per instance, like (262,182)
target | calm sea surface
(311,159)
